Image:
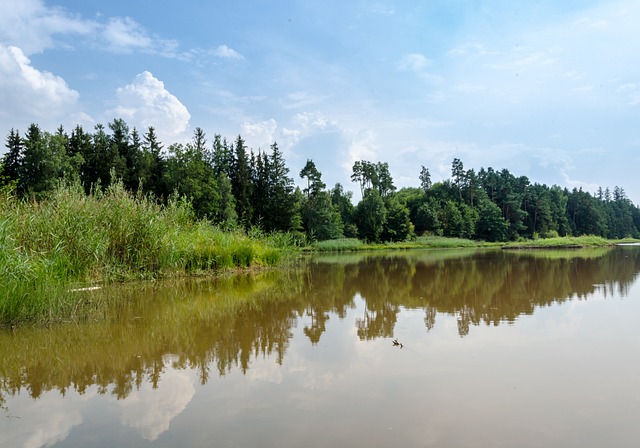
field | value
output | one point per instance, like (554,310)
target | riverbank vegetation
(113,205)
(233,186)
(50,249)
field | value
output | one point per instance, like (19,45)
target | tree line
(231,185)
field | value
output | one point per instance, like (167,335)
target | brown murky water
(499,349)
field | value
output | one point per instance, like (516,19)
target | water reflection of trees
(224,324)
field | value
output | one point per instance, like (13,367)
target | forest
(233,186)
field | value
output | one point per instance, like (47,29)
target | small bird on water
(396,343)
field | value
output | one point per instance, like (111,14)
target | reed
(49,247)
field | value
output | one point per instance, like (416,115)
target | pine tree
(153,166)
(425,179)
(11,164)
(241,183)
(281,210)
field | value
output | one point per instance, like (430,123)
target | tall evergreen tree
(222,156)
(153,166)
(241,183)
(458,174)
(585,215)
(260,189)
(425,179)
(281,210)
(103,159)
(81,149)
(36,170)
(12,160)
(127,160)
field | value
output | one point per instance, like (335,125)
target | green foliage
(371,215)
(397,226)
(232,187)
(322,218)
(491,226)
(241,183)
(188,175)
(68,238)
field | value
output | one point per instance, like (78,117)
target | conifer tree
(241,183)
(153,166)
(11,164)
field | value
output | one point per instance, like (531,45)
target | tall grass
(562,242)
(49,247)
(353,244)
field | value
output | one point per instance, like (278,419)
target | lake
(492,348)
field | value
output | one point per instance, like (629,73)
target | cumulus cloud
(363,147)
(312,121)
(31,25)
(46,424)
(227,53)
(150,411)
(29,94)
(261,134)
(146,102)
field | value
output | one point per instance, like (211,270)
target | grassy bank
(566,242)
(436,242)
(51,247)
(423,242)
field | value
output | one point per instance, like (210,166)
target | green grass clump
(353,244)
(562,242)
(49,247)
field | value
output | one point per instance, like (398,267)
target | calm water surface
(499,349)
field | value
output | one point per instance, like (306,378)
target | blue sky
(546,89)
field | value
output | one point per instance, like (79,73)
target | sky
(546,89)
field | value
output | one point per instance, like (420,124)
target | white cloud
(125,35)
(146,102)
(47,423)
(363,147)
(150,411)
(574,183)
(31,25)
(30,95)
(36,27)
(312,121)
(259,135)
(305,124)
(227,53)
